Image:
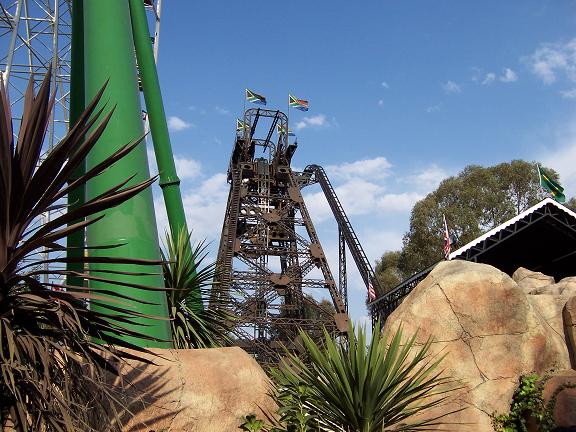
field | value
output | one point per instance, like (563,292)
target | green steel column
(77,196)
(109,53)
(169,181)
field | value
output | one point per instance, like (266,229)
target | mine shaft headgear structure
(270,259)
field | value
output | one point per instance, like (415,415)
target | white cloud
(314,121)
(560,155)
(569,94)
(176,124)
(362,187)
(427,179)
(385,84)
(553,60)
(508,76)
(185,168)
(204,206)
(380,102)
(489,78)
(401,202)
(377,168)
(451,87)
(221,111)
(434,108)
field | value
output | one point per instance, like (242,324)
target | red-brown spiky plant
(51,365)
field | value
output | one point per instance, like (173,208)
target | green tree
(388,271)
(475,201)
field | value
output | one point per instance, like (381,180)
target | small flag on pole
(239,125)
(446,239)
(299,104)
(255,97)
(282,130)
(371,292)
(551,186)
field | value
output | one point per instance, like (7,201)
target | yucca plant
(52,369)
(361,386)
(193,324)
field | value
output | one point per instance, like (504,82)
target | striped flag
(282,130)
(551,186)
(239,125)
(255,97)
(299,104)
(371,292)
(446,239)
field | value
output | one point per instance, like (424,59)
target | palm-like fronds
(193,326)
(51,367)
(363,387)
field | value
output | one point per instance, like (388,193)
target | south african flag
(300,104)
(255,97)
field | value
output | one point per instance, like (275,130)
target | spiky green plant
(193,325)
(362,386)
(51,368)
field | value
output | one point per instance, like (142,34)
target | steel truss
(269,253)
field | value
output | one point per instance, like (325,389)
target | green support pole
(169,181)
(77,196)
(109,53)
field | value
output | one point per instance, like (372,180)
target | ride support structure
(272,269)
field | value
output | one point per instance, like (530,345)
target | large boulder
(194,391)
(560,391)
(569,316)
(491,332)
(550,307)
(529,280)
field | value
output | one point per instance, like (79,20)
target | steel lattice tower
(34,35)
(269,246)
(37,34)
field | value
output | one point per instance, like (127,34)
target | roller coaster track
(345,227)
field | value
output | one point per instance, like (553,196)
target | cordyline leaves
(193,326)
(363,386)
(51,368)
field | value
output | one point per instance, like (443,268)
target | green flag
(551,186)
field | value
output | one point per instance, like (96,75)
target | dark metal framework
(269,248)
(542,239)
(272,268)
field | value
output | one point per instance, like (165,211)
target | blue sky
(402,95)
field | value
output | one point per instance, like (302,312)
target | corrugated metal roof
(510,222)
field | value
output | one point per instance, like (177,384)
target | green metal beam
(77,196)
(169,181)
(109,53)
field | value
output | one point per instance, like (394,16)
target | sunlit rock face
(193,390)
(491,332)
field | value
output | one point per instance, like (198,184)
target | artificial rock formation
(491,332)
(569,320)
(194,391)
(556,303)
(562,388)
